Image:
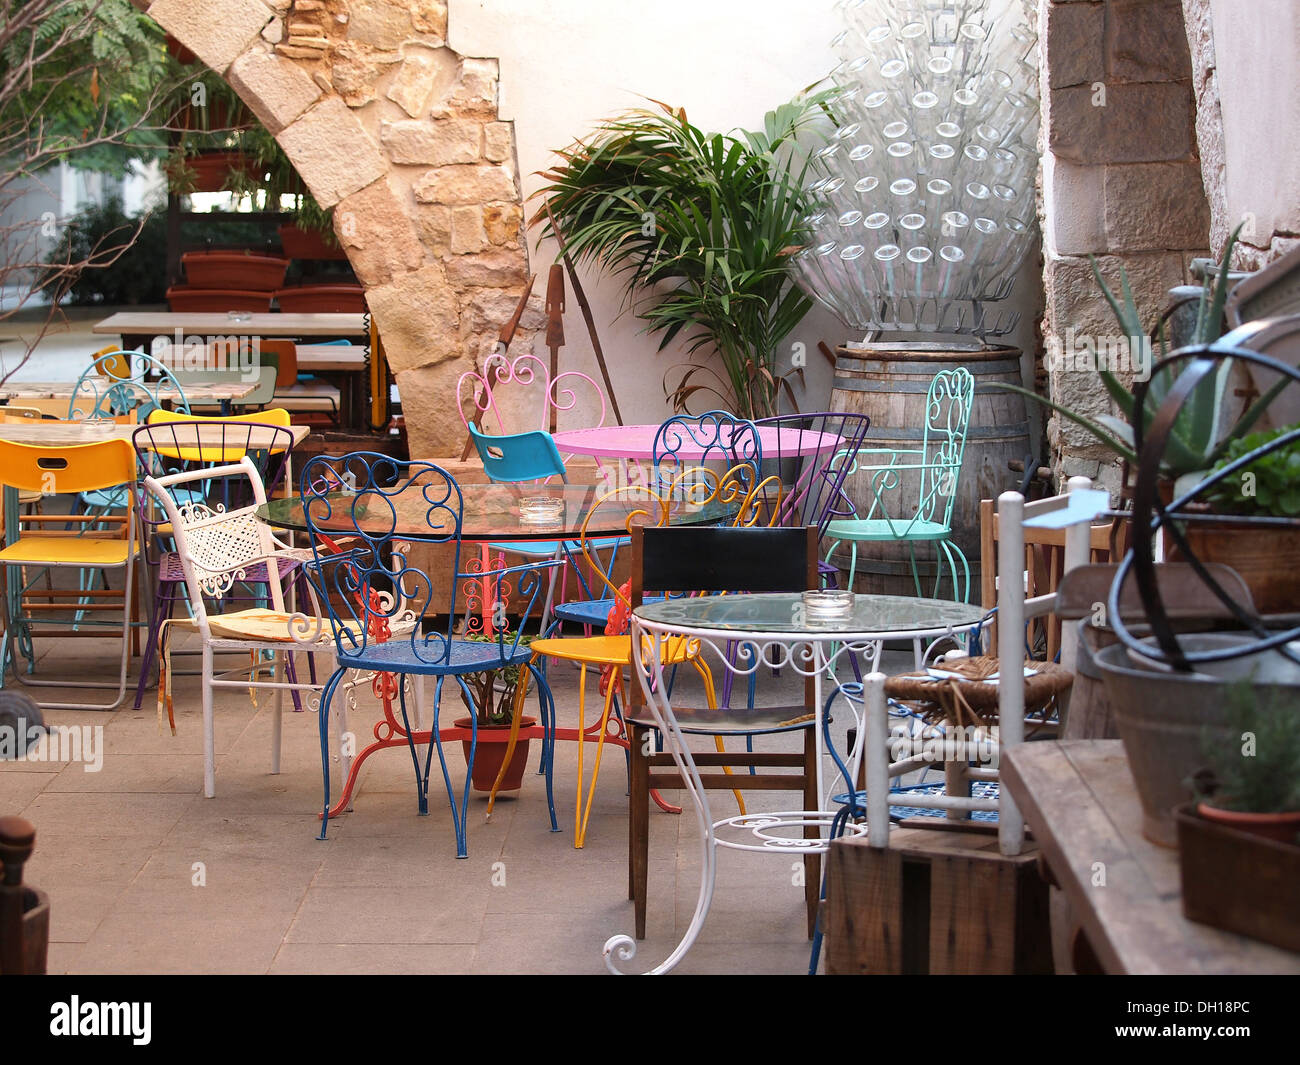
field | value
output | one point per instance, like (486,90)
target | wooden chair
(723,560)
(1044,567)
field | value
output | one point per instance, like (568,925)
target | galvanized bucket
(1165,718)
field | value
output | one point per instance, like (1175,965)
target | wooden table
(138,330)
(203,393)
(1126,892)
(64,434)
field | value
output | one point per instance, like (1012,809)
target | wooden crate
(937,900)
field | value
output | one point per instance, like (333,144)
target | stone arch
(400,135)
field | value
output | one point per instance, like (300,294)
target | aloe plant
(702,228)
(1196,442)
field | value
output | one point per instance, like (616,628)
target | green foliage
(1257,768)
(121,267)
(1196,442)
(82,84)
(493,706)
(1270,485)
(702,226)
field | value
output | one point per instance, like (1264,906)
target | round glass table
(774,630)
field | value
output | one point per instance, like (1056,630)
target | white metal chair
(216,548)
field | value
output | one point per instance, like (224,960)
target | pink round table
(637,442)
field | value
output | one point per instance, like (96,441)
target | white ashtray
(541,510)
(828,605)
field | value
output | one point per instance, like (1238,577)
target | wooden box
(1238,881)
(937,900)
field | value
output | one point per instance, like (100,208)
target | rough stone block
(424,75)
(1075,44)
(417,317)
(488,309)
(434,223)
(475,93)
(467,235)
(432,143)
(1075,207)
(1144,123)
(433,425)
(464,183)
(357,69)
(379,236)
(502,222)
(277,90)
(498,141)
(497,268)
(332,151)
(216,31)
(429,16)
(1156,206)
(380,23)
(1146,40)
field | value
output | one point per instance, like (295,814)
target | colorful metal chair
(172,444)
(368,506)
(217,547)
(76,469)
(909,494)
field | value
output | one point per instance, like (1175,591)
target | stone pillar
(399,134)
(1121,181)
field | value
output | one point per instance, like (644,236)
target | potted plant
(702,228)
(1266,556)
(494,692)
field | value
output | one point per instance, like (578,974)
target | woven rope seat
(969,697)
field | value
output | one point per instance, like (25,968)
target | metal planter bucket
(1163,717)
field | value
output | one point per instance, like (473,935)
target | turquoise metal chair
(908,495)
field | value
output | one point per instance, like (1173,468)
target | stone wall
(400,135)
(1121,181)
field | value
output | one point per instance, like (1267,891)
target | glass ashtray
(828,605)
(541,510)
(239,316)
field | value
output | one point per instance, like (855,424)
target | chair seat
(702,721)
(607,650)
(467,656)
(38,550)
(879,529)
(105,498)
(592,611)
(549,548)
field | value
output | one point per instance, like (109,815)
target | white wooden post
(876,723)
(1011,657)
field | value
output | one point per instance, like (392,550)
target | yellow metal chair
(612,654)
(60,470)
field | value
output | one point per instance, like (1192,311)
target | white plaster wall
(1256,46)
(567,64)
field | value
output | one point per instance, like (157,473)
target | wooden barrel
(889,383)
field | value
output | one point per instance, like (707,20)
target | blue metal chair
(373,504)
(909,494)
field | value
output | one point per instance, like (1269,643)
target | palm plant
(703,226)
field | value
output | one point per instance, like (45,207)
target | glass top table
(745,633)
(490,512)
(872,616)
(636,442)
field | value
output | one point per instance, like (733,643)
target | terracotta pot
(239,271)
(491,751)
(1283,827)
(211,169)
(307,244)
(183,298)
(336,299)
(1268,559)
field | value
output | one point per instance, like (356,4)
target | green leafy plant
(1257,768)
(1197,441)
(1269,486)
(493,704)
(121,259)
(701,228)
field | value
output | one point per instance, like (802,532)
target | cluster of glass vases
(925,191)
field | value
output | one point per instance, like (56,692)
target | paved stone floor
(147,876)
